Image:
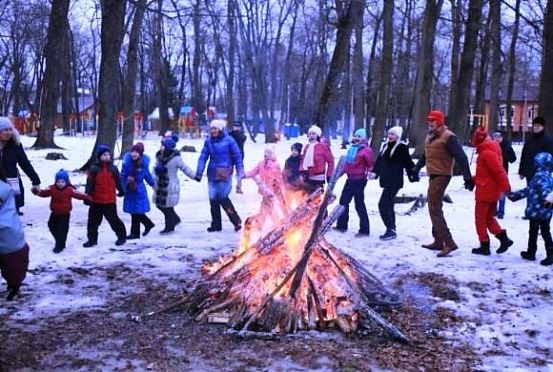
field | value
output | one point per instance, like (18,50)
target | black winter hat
(297,146)
(538,120)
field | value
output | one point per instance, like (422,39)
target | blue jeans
(219,190)
(501,208)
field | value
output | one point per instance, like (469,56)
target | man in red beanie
(491,182)
(442,150)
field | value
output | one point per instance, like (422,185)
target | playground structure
(188,123)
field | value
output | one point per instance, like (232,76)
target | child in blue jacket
(539,216)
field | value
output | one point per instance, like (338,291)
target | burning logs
(292,279)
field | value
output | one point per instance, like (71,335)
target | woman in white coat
(167,187)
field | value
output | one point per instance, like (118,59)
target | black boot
(529,255)
(231,213)
(483,250)
(13,290)
(505,242)
(549,259)
(215,216)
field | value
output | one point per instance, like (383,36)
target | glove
(511,196)
(328,180)
(87,202)
(120,194)
(469,184)
(35,188)
(198,178)
(413,177)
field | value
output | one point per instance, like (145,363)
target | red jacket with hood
(490,179)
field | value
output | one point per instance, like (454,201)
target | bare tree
(495,15)
(57,42)
(344,27)
(546,80)
(129,87)
(425,71)
(385,75)
(112,32)
(457,119)
(511,72)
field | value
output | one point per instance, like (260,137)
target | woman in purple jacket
(392,160)
(359,162)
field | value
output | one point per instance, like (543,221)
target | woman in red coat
(317,161)
(491,182)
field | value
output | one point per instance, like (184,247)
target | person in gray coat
(167,186)
(14,251)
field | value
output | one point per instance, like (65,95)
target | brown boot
(434,246)
(447,249)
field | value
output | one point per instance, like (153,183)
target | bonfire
(290,278)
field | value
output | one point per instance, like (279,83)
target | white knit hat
(315,129)
(5,123)
(397,130)
(218,123)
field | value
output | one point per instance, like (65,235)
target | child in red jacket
(491,182)
(61,193)
(101,185)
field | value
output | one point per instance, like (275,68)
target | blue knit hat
(101,149)
(62,175)
(361,133)
(170,142)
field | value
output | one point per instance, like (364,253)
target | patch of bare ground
(119,336)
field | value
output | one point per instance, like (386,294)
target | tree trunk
(197,97)
(457,25)
(358,84)
(482,77)
(425,72)
(53,51)
(370,101)
(129,87)
(457,120)
(511,72)
(495,12)
(233,35)
(328,101)
(385,75)
(546,80)
(112,31)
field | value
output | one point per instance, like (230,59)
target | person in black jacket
(538,142)
(509,156)
(238,134)
(392,160)
(12,154)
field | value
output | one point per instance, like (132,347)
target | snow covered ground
(505,302)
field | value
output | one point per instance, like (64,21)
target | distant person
(167,185)
(317,162)
(103,185)
(60,194)
(537,211)
(221,155)
(392,160)
(12,154)
(14,250)
(509,156)
(538,142)
(491,183)
(359,162)
(237,132)
(291,171)
(442,150)
(134,172)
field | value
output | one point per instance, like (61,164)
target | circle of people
(309,167)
